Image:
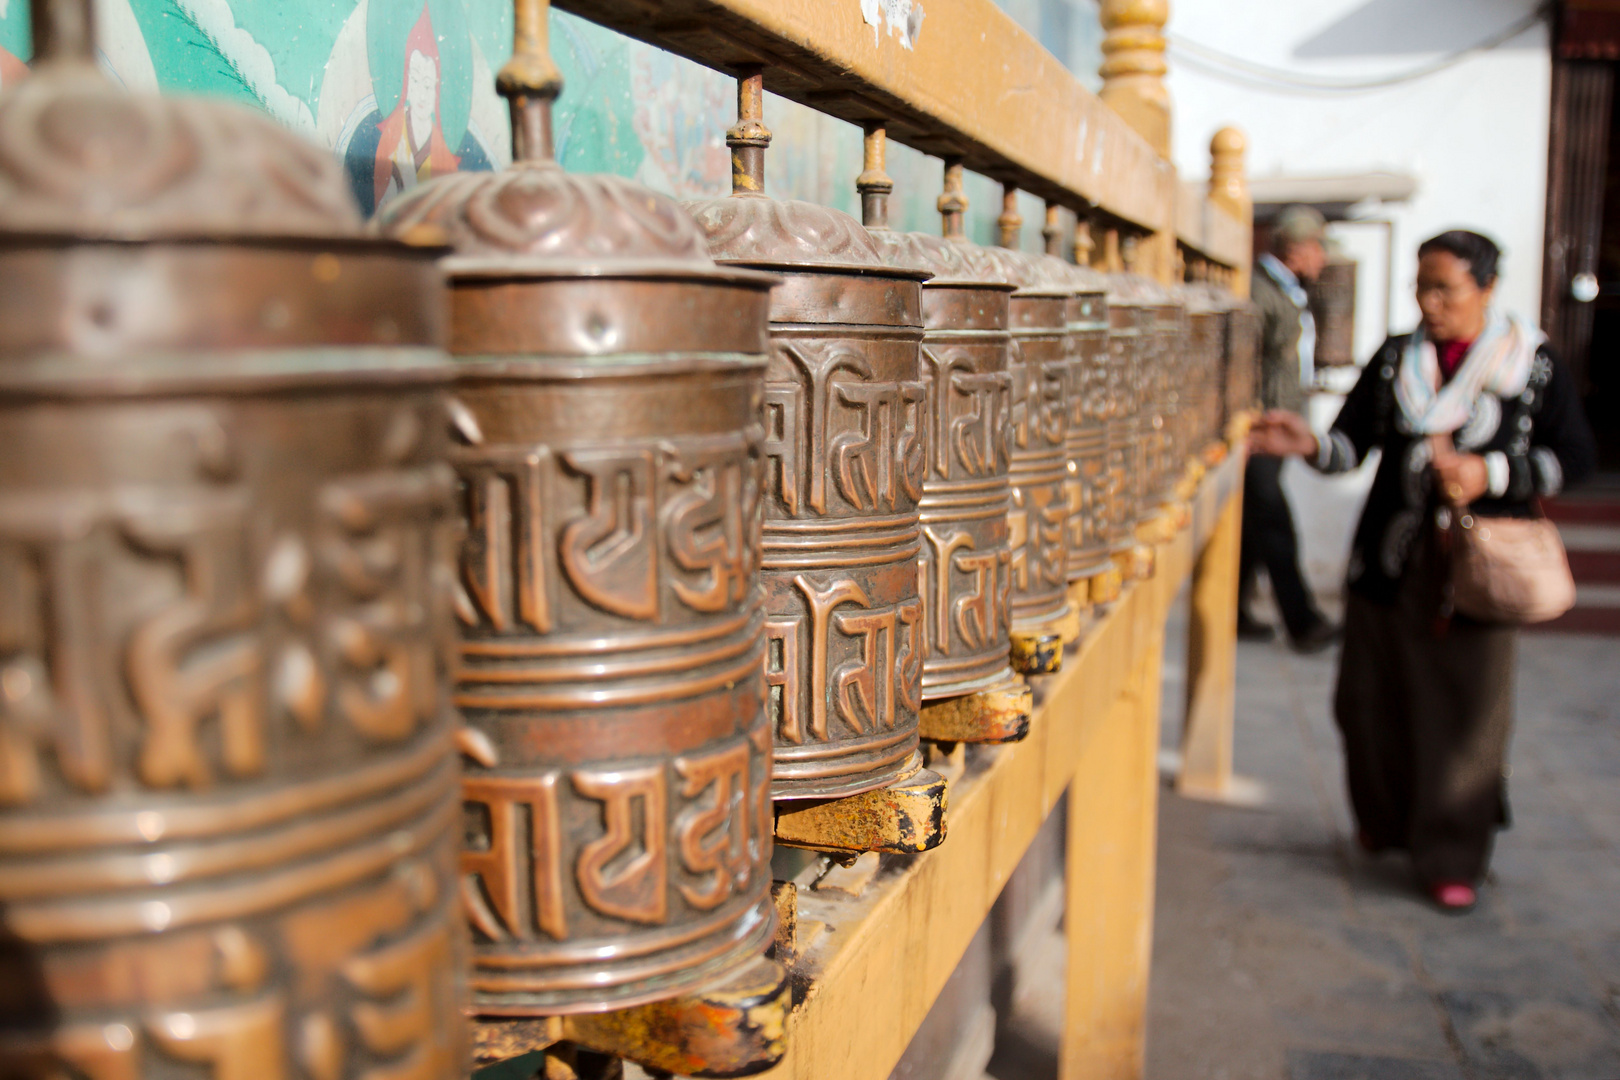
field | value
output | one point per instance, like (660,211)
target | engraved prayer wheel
(1167,365)
(1206,334)
(1086,437)
(845,440)
(228,784)
(610,381)
(1041,368)
(1240,373)
(1130,328)
(966,556)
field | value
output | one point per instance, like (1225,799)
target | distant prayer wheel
(1042,372)
(846,430)
(966,558)
(607,419)
(229,803)
(1130,329)
(1333,308)
(1240,360)
(1086,437)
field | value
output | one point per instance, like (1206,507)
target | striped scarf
(1498,362)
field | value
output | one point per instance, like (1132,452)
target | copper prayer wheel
(1086,437)
(845,441)
(1042,372)
(1240,376)
(228,786)
(1206,332)
(1167,360)
(607,420)
(1130,328)
(966,558)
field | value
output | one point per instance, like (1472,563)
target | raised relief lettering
(623,872)
(611,554)
(411,1013)
(977,429)
(710,523)
(234,1042)
(909,664)
(1018,539)
(875,463)
(821,603)
(979,613)
(1050,563)
(712,836)
(197,658)
(810,441)
(782,664)
(866,684)
(494,867)
(1048,409)
(50,695)
(782,438)
(380,546)
(939,560)
(503,560)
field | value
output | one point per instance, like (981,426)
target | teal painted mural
(403,90)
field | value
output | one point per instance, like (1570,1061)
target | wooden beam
(956,77)
(872,974)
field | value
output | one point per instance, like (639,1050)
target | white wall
(1474,136)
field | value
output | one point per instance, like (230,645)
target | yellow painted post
(1229,188)
(1206,744)
(1113,820)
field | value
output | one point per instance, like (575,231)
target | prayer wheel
(1129,337)
(610,382)
(845,441)
(1042,372)
(228,783)
(1167,364)
(1240,372)
(966,558)
(1207,312)
(1086,438)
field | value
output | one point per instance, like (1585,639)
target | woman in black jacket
(1471,410)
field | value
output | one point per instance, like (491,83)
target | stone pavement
(1281,951)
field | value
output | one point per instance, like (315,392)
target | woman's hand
(1280,433)
(1460,478)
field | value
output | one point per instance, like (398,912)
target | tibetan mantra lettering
(618,812)
(846,441)
(226,773)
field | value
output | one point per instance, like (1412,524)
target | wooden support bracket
(1000,714)
(905,818)
(733,1027)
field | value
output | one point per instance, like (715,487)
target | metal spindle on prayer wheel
(969,692)
(610,380)
(845,438)
(1042,618)
(228,787)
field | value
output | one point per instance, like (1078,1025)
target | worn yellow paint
(904,818)
(883,959)
(1000,714)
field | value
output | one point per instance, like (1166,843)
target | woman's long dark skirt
(1425,718)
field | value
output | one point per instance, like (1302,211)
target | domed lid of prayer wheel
(82,159)
(1085,279)
(747,228)
(949,263)
(1032,274)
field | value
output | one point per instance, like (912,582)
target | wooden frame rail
(957,78)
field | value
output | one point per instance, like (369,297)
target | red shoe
(1455,897)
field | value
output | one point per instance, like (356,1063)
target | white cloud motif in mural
(252,60)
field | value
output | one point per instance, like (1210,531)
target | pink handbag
(1509,570)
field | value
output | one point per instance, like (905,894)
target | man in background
(1287,346)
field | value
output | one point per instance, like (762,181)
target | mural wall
(403,90)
